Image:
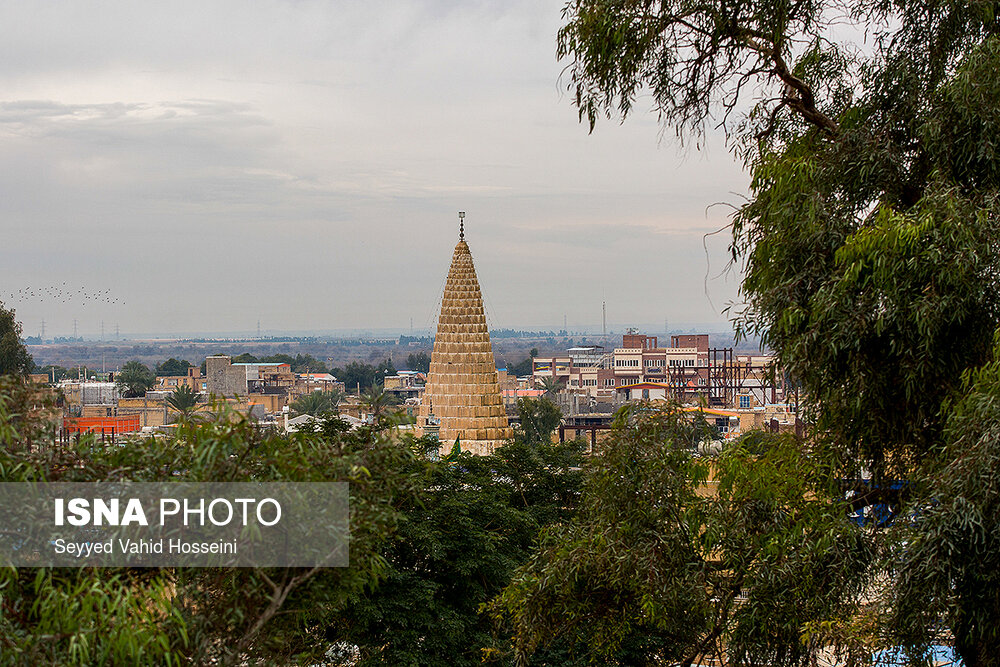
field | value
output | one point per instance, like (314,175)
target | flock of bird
(64,294)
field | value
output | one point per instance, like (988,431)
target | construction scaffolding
(730,378)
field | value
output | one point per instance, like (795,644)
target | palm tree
(183,400)
(317,403)
(551,385)
(377,400)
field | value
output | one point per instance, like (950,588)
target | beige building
(193,379)
(462,387)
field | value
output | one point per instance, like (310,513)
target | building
(193,379)
(223,378)
(462,391)
(405,384)
(687,371)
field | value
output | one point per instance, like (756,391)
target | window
(746,402)
(645,394)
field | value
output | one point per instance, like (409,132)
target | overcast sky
(212,164)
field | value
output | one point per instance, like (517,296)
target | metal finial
(461,225)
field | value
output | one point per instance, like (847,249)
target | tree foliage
(135,379)
(317,403)
(89,616)
(539,418)
(455,549)
(419,361)
(948,557)
(378,403)
(869,240)
(14,357)
(676,556)
(173,367)
(357,374)
(183,399)
(551,386)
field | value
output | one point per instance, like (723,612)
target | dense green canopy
(869,241)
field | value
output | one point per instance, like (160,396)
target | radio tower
(42,335)
(74,327)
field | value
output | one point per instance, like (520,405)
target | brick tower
(462,389)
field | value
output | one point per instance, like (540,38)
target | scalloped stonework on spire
(462,383)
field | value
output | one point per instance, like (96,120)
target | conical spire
(462,383)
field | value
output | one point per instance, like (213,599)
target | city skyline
(303,165)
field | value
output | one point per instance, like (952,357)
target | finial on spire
(461,225)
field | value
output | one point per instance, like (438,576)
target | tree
(551,385)
(245,358)
(279,359)
(539,418)
(869,239)
(135,379)
(317,403)
(457,547)
(306,363)
(419,361)
(183,399)
(521,368)
(655,568)
(88,616)
(948,565)
(377,402)
(173,367)
(14,357)
(357,374)
(384,368)
(867,236)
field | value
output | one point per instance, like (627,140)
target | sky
(201,167)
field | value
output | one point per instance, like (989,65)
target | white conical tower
(462,384)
